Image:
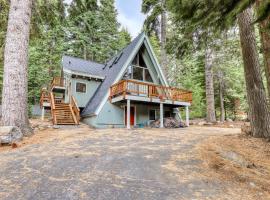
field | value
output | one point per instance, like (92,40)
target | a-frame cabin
(129,90)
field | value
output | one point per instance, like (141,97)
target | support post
(128,113)
(161,115)
(42,113)
(187,116)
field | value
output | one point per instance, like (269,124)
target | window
(152,115)
(138,73)
(81,87)
(139,69)
(147,76)
(141,74)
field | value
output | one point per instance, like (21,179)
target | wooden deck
(149,91)
(58,84)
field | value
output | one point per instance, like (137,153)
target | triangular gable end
(143,68)
(143,40)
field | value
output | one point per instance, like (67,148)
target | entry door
(132,116)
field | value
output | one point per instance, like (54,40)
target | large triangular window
(138,70)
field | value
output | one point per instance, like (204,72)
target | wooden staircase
(64,113)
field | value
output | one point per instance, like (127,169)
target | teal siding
(83,98)
(112,116)
(109,116)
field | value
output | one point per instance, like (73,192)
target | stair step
(65,123)
(63,114)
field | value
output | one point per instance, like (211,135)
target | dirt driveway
(82,163)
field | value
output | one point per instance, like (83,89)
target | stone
(201,123)
(252,184)
(246,129)
(208,124)
(10,134)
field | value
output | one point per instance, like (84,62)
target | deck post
(128,113)
(42,113)
(187,116)
(161,115)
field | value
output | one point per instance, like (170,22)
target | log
(168,123)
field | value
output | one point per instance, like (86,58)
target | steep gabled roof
(82,66)
(111,71)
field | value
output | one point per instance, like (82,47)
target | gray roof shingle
(110,72)
(82,66)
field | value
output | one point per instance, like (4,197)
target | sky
(129,15)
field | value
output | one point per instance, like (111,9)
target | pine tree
(264,26)
(157,22)
(94,31)
(14,100)
(259,113)
(4,5)
(219,15)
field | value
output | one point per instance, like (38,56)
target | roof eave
(83,74)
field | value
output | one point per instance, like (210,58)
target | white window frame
(143,73)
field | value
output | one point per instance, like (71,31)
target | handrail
(75,110)
(44,97)
(150,90)
(53,108)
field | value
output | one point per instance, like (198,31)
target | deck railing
(58,82)
(53,108)
(137,88)
(44,97)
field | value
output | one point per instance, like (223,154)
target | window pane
(148,77)
(81,87)
(138,73)
(141,61)
(152,115)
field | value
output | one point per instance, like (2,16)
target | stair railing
(44,97)
(75,110)
(53,108)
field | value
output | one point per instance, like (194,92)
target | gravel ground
(82,163)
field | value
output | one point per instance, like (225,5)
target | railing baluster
(150,90)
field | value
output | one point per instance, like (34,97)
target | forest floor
(84,163)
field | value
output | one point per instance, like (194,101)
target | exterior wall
(113,116)
(110,116)
(81,98)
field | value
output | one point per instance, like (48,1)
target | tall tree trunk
(258,110)
(221,97)
(265,39)
(209,86)
(163,35)
(15,87)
